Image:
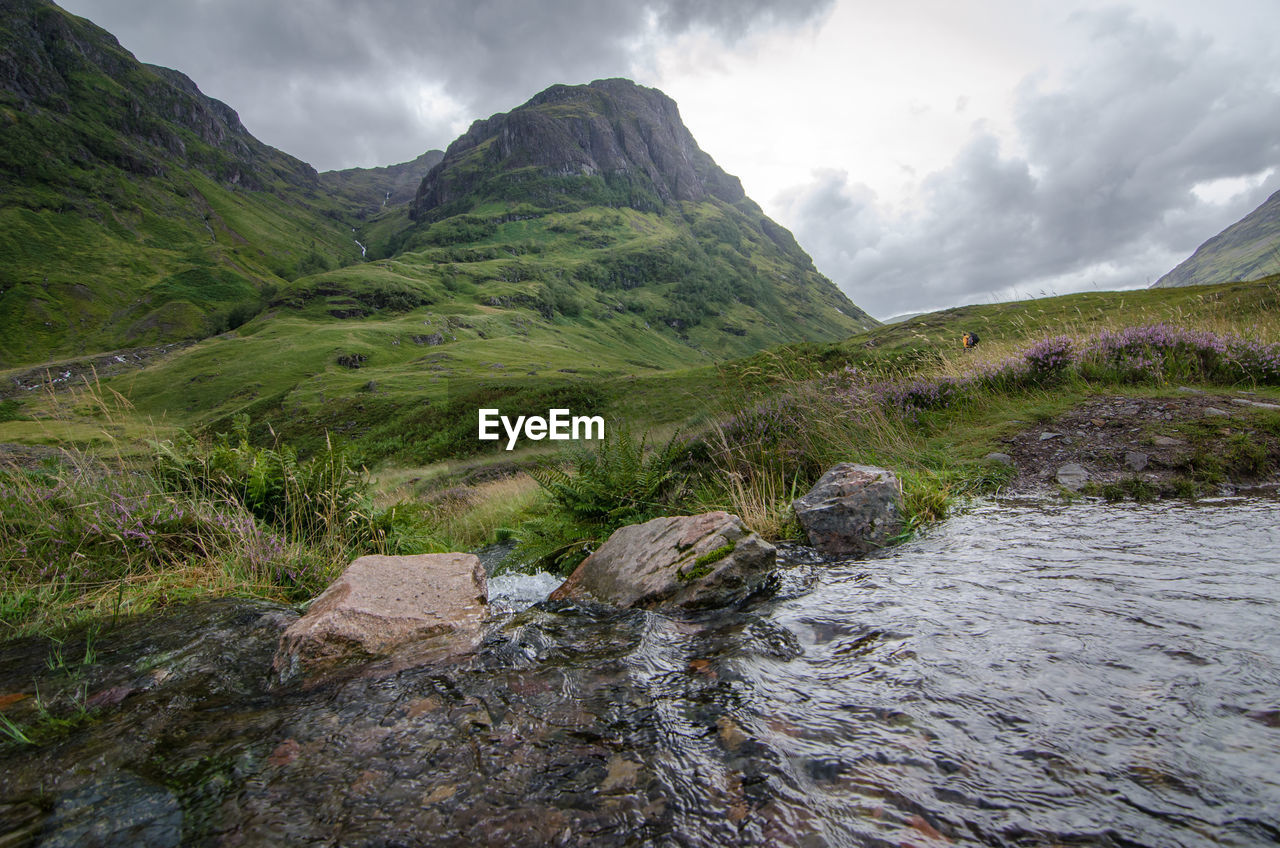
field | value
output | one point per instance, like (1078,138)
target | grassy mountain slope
(567,260)
(133,209)
(1247,250)
(349,348)
(551,254)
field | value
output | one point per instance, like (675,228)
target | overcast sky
(927,153)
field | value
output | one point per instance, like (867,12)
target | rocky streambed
(1030,673)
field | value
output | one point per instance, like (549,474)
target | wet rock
(1001,458)
(852,511)
(381,602)
(688,561)
(1136,460)
(1072,476)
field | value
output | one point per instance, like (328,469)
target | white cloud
(1102,190)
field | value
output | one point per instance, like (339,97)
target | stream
(1027,674)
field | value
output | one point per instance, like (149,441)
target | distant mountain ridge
(371,190)
(135,210)
(1247,250)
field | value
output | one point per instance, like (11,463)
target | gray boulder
(852,511)
(690,561)
(382,602)
(1072,476)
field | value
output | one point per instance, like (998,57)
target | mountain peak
(610,140)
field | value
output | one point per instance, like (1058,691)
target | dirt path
(1148,446)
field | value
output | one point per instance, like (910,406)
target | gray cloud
(1102,195)
(341,84)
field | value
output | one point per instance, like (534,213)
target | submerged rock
(382,602)
(117,809)
(852,511)
(684,560)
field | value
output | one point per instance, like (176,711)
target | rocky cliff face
(1247,250)
(628,136)
(373,189)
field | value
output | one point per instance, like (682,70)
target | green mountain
(133,209)
(1247,250)
(581,238)
(602,198)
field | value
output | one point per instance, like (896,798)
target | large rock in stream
(852,511)
(382,602)
(692,561)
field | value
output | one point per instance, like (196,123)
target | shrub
(322,500)
(619,483)
(1048,359)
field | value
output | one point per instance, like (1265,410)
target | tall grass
(324,501)
(87,537)
(463,518)
(82,538)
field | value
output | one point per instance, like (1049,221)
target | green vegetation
(1247,250)
(320,501)
(60,711)
(83,537)
(618,483)
(518,285)
(702,565)
(1130,487)
(222,516)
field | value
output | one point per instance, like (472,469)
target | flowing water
(1027,675)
